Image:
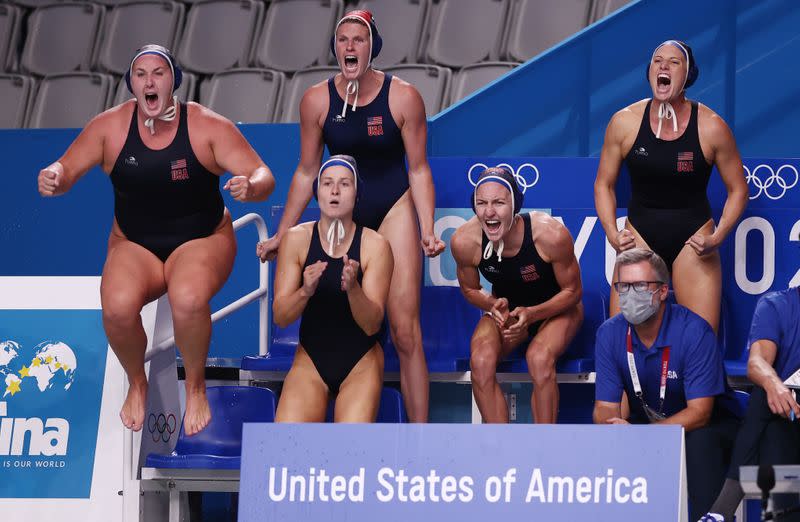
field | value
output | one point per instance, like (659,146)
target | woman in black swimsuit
(670,145)
(336,275)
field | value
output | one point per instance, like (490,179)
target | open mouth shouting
(493,226)
(151,101)
(351,63)
(663,83)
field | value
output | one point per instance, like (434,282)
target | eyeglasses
(638,286)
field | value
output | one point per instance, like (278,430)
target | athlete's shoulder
(709,120)
(117,116)
(631,114)
(466,241)
(299,234)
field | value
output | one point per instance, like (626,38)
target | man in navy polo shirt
(664,357)
(769,433)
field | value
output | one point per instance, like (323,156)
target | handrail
(262,293)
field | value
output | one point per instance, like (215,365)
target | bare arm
(604,412)
(729,164)
(415,135)
(291,295)
(311,146)
(695,415)
(761,372)
(558,248)
(233,153)
(469,280)
(368,299)
(83,154)
(605,196)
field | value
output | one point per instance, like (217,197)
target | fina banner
(387,472)
(58,421)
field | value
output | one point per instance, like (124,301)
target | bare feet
(198,414)
(132,412)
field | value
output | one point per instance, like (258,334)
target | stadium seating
(219,35)
(15,93)
(61,38)
(432,82)
(401,24)
(130,26)
(473,77)
(293,93)
(10,22)
(70,100)
(284,46)
(536,25)
(244,95)
(467,31)
(219,445)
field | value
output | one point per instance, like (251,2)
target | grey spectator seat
(10,22)
(466,31)
(185,92)
(297,34)
(537,25)
(33,4)
(293,93)
(130,26)
(219,35)
(603,8)
(61,38)
(15,93)
(472,77)
(69,99)
(401,24)
(432,82)
(244,95)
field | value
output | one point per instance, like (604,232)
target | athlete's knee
(541,364)
(406,335)
(120,309)
(483,360)
(187,301)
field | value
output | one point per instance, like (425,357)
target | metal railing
(261,293)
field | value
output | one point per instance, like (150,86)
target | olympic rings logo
(774,178)
(161,427)
(518,174)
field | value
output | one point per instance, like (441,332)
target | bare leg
(360,393)
(485,352)
(304,397)
(195,272)
(132,276)
(697,282)
(400,228)
(544,350)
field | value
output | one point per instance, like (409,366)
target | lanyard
(637,387)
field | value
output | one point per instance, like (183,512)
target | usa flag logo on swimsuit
(375,126)
(686,162)
(179,170)
(529,273)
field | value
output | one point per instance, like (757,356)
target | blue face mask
(638,307)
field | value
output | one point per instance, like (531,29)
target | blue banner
(52,366)
(460,472)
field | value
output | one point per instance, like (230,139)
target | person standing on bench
(770,433)
(336,275)
(171,233)
(670,145)
(380,120)
(665,358)
(536,292)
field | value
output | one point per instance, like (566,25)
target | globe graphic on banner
(49,367)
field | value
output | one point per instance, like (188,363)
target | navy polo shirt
(777,319)
(695,367)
